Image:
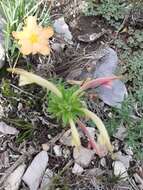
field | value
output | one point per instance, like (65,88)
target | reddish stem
(91,140)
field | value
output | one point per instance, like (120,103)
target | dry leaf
(7,130)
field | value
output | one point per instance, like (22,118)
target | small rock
(7,130)
(128,150)
(20,106)
(121,133)
(58,47)
(77,169)
(57,150)
(47,179)
(35,171)
(120,170)
(66,139)
(83,156)
(66,153)
(2,56)
(14,180)
(91,131)
(113,96)
(62,28)
(125,159)
(96,172)
(107,65)
(45,146)
(103,162)
(49,136)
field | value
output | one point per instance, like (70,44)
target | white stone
(128,150)
(83,156)
(66,153)
(66,138)
(6,129)
(62,28)
(125,159)
(45,146)
(103,162)
(120,170)
(35,171)
(77,169)
(91,131)
(57,150)
(121,133)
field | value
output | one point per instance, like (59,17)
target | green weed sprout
(67,104)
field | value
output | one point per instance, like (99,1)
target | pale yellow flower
(75,135)
(34,38)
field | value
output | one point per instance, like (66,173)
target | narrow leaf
(104,137)
(100,81)
(103,81)
(75,135)
(29,78)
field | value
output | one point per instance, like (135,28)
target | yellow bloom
(75,135)
(33,38)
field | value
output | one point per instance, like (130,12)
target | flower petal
(20,35)
(31,23)
(75,135)
(43,49)
(26,47)
(47,32)
(34,38)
